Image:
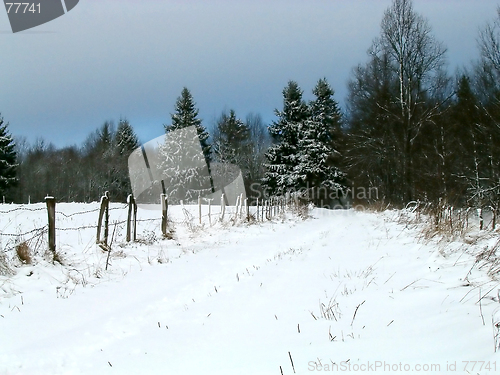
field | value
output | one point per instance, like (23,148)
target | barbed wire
(23,209)
(59,212)
(90,211)
(45,227)
(77,213)
(41,230)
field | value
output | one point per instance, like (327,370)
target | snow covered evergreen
(317,170)
(126,139)
(185,115)
(282,155)
(185,170)
(306,154)
(126,142)
(8,164)
(231,143)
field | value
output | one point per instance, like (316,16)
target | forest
(410,131)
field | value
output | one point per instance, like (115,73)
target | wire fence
(96,219)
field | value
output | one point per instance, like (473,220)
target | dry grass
(330,311)
(23,252)
(489,260)
(5,269)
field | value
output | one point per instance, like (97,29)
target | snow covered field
(343,291)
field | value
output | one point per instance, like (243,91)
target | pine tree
(126,140)
(186,174)
(282,156)
(125,143)
(231,143)
(105,139)
(317,170)
(8,164)
(186,114)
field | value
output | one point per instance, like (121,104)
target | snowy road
(343,286)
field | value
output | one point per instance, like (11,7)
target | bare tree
(414,95)
(487,85)
(489,43)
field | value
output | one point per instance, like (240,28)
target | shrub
(23,252)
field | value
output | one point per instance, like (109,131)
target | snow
(243,299)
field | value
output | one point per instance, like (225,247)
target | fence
(445,218)
(264,210)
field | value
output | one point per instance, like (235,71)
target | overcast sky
(108,59)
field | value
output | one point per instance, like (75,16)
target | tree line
(410,131)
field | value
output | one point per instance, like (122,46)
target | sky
(111,59)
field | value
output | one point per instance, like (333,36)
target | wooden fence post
(222,207)
(209,212)
(104,211)
(135,220)
(164,212)
(51,210)
(247,208)
(199,207)
(132,206)
(236,208)
(480,215)
(241,206)
(257,216)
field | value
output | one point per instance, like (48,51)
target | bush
(23,252)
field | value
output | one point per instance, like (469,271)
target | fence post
(164,211)
(241,206)
(236,209)
(481,220)
(131,203)
(223,207)
(494,218)
(135,219)
(257,216)
(199,207)
(209,212)
(247,209)
(104,211)
(51,210)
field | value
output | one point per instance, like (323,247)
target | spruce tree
(231,143)
(126,140)
(186,114)
(318,156)
(186,173)
(282,156)
(125,143)
(8,164)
